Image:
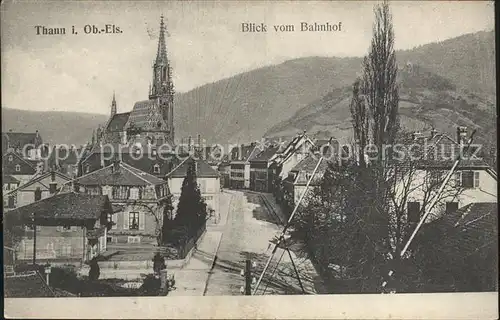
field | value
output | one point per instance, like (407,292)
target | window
(467,179)
(133,221)
(109,239)
(107,191)
(18,168)
(66,249)
(11,201)
(38,194)
(134,193)
(451,207)
(156,168)
(10,158)
(413,212)
(435,178)
(87,169)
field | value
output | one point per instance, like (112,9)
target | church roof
(140,112)
(118,122)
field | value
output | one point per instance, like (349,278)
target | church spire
(162,80)
(113,105)
(161,55)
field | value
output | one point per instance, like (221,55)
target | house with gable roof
(261,175)
(138,198)
(27,144)
(240,165)
(208,179)
(474,181)
(68,228)
(41,187)
(20,168)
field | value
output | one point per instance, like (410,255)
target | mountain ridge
(242,108)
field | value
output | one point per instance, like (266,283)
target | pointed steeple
(113,105)
(161,55)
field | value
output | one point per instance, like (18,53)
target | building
(70,228)
(9,183)
(474,181)
(145,157)
(28,145)
(21,169)
(261,175)
(138,199)
(291,155)
(208,180)
(151,119)
(41,187)
(240,166)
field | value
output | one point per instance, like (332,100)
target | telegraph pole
(34,238)
(248,278)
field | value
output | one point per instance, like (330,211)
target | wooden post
(34,239)
(248,278)
(84,240)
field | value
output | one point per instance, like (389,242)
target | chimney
(52,176)
(461,135)
(52,188)
(433,132)
(116,166)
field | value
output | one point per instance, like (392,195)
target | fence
(184,247)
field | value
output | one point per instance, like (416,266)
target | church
(150,120)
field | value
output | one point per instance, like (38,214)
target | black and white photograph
(181,155)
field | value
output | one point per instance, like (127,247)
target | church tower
(162,89)
(113,106)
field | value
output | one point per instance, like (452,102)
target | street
(244,231)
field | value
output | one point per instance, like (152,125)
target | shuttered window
(114,219)
(476,179)
(141,221)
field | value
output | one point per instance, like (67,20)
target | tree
(192,209)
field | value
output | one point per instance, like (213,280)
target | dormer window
(18,168)
(10,158)
(156,168)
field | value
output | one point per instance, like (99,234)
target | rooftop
(65,206)
(203,169)
(119,174)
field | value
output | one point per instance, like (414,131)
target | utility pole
(249,280)
(34,238)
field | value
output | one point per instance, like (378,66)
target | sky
(205,44)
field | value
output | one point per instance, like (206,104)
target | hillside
(281,99)
(426,100)
(54,126)
(242,108)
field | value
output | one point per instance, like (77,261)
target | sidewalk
(191,280)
